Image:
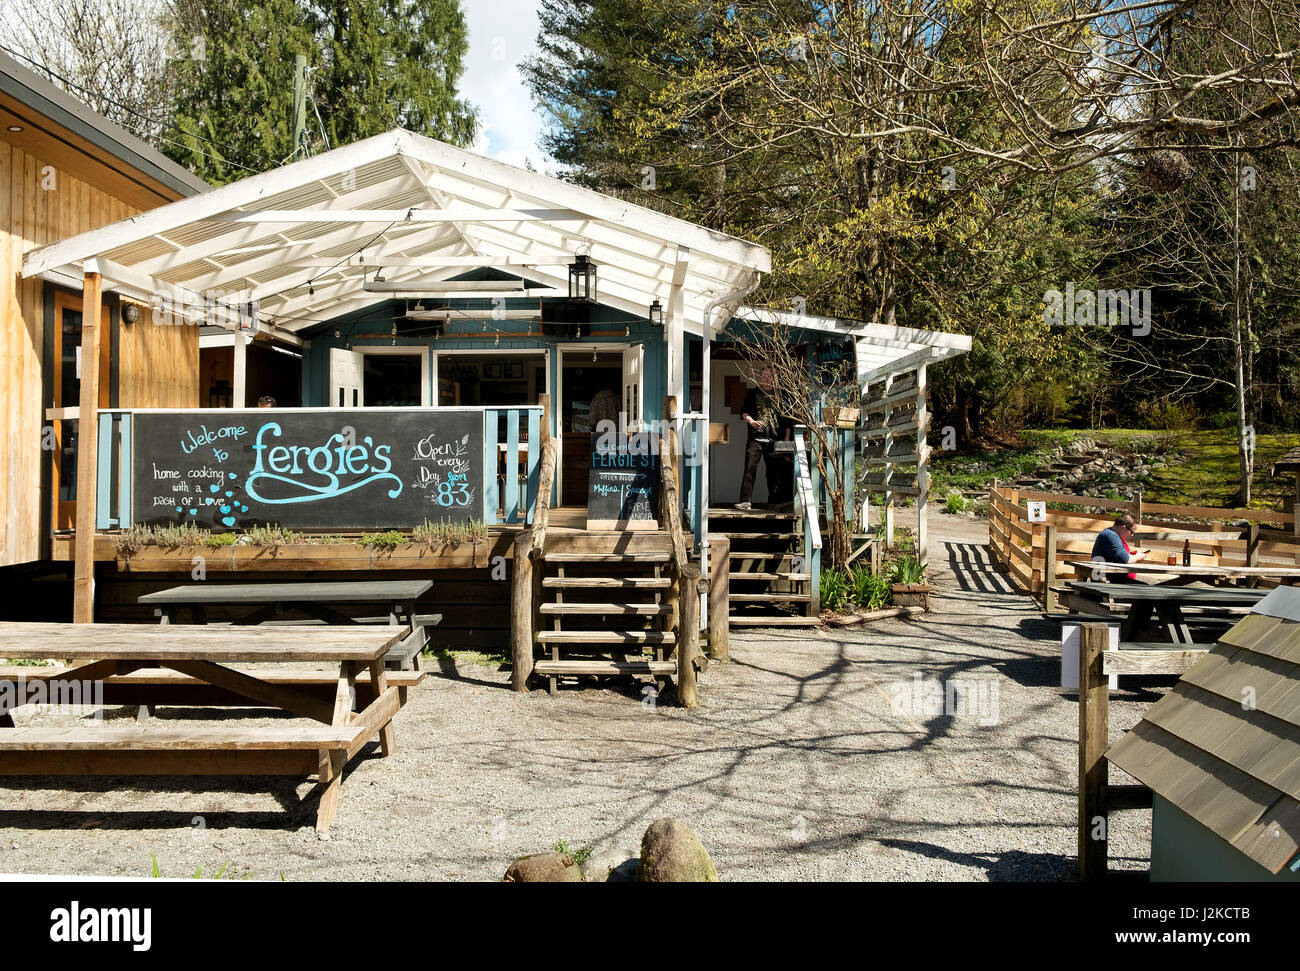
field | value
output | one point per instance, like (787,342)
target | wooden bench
(122,657)
(320,751)
(158,687)
(267,602)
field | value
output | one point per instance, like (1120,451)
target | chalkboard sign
(622,484)
(388,468)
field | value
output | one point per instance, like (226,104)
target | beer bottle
(1187,552)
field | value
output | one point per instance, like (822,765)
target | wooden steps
(760,536)
(640,610)
(599,667)
(607,583)
(606,637)
(607,557)
(766,568)
(773,620)
(606,608)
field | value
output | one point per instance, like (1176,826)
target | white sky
(501,34)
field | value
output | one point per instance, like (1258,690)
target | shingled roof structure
(1224,745)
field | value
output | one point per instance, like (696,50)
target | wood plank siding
(152,367)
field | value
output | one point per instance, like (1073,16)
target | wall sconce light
(656,315)
(130,313)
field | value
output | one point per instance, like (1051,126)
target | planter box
(840,417)
(306,556)
(911,595)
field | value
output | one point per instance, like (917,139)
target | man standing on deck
(765,425)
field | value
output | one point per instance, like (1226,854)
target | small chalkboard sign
(622,484)
(306,468)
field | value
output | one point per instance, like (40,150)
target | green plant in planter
(906,570)
(389,540)
(444,533)
(870,590)
(217,540)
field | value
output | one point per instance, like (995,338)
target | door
(67,365)
(347,375)
(633,388)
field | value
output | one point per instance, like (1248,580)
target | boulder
(544,868)
(672,853)
(625,872)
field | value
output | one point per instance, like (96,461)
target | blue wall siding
(625,330)
(1182,849)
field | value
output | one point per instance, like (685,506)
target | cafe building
(399,334)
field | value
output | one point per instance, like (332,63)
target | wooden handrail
(686,576)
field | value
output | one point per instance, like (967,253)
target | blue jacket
(1110,547)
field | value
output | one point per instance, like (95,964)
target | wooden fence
(1034,554)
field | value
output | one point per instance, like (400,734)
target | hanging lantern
(582,279)
(657,313)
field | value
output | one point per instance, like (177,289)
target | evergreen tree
(373,65)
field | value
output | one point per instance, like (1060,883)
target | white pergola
(305,242)
(895,419)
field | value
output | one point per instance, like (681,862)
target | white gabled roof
(304,237)
(882,349)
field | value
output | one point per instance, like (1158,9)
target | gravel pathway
(827,755)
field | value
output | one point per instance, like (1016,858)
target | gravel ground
(808,759)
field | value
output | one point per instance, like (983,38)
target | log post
(1049,570)
(1252,544)
(83,605)
(688,635)
(521,613)
(1094,737)
(719,601)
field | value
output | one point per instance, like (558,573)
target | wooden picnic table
(1167,602)
(1176,574)
(271,600)
(202,654)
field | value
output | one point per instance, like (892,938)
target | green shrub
(384,541)
(836,589)
(871,591)
(906,570)
(954,503)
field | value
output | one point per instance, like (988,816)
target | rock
(625,872)
(672,853)
(543,868)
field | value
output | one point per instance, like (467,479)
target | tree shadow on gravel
(1013,866)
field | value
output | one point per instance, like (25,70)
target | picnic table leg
(1171,615)
(332,761)
(1138,616)
(331,777)
(379,681)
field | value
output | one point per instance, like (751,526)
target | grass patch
(579,857)
(480,658)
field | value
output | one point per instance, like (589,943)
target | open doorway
(591,389)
